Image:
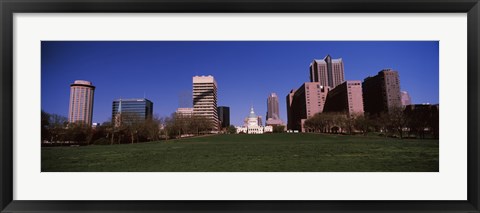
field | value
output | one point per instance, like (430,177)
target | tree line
(419,123)
(124,128)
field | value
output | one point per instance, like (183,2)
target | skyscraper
(272,107)
(328,72)
(381,93)
(406,100)
(290,117)
(81,102)
(346,97)
(224,116)
(131,110)
(273,112)
(205,99)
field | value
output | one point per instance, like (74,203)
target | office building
(381,93)
(205,99)
(289,99)
(272,107)
(273,112)
(306,101)
(406,100)
(186,111)
(346,97)
(327,71)
(81,102)
(133,110)
(224,116)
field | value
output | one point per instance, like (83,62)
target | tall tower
(329,72)
(381,93)
(406,100)
(81,102)
(290,115)
(205,99)
(272,107)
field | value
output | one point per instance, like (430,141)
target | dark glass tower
(224,116)
(131,110)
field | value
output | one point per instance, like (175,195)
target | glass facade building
(131,110)
(224,116)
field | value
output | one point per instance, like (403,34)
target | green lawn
(251,153)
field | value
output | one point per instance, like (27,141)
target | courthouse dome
(252,113)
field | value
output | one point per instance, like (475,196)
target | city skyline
(246,71)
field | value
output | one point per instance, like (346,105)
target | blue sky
(246,71)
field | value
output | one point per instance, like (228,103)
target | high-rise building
(328,72)
(272,107)
(185,111)
(81,102)
(131,110)
(406,100)
(205,99)
(273,112)
(346,97)
(289,99)
(224,116)
(381,93)
(307,100)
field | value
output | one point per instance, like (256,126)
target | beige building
(81,102)
(185,111)
(205,99)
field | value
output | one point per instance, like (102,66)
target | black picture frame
(9,7)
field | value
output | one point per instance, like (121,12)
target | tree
(434,121)
(231,129)
(328,122)
(364,124)
(421,119)
(397,120)
(278,129)
(57,127)
(79,133)
(45,123)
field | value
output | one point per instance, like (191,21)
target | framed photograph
(231,106)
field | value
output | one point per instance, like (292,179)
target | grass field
(251,153)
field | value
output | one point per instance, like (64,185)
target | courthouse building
(253,125)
